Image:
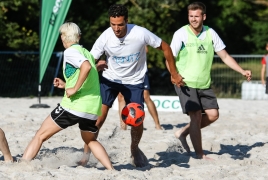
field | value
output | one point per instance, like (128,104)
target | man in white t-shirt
(124,46)
(193,46)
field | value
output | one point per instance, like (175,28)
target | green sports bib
(195,59)
(87,99)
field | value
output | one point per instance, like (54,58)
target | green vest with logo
(195,59)
(87,99)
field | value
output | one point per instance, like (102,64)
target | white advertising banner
(162,103)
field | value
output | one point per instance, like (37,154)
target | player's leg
(47,129)
(152,109)
(108,95)
(150,104)
(207,100)
(4,147)
(88,132)
(121,105)
(266,90)
(134,93)
(195,132)
(85,158)
(189,101)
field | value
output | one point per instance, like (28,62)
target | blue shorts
(110,90)
(146,82)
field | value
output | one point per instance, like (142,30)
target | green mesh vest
(87,99)
(195,59)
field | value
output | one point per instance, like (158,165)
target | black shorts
(110,90)
(192,99)
(65,119)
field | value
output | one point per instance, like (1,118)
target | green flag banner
(52,16)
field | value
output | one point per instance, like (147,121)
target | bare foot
(158,127)
(9,159)
(179,136)
(84,160)
(204,157)
(123,126)
(138,158)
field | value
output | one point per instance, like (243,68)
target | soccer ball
(133,114)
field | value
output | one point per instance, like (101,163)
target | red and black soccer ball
(133,114)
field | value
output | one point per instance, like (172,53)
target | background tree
(242,24)
(19,25)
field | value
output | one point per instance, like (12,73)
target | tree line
(242,24)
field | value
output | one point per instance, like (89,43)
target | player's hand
(101,65)
(70,92)
(247,74)
(177,80)
(263,82)
(59,83)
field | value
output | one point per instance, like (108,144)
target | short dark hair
(117,10)
(196,6)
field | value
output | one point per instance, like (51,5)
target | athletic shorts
(146,83)
(65,119)
(266,91)
(131,93)
(193,99)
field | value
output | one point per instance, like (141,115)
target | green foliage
(156,16)
(242,24)
(19,22)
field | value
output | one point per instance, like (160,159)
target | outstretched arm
(176,78)
(84,71)
(229,61)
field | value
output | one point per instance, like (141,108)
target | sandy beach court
(238,142)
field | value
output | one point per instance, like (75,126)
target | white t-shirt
(181,35)
(74,57)
(126,57)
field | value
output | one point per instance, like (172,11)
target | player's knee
(213,116)
(41,137)
(147,99)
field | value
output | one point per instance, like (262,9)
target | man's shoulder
(108,31)
(181,31)
(134,27)
(70,50)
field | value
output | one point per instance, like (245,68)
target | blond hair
(70,32)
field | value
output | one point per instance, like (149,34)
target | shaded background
(242,25)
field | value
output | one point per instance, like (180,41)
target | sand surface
(238,142)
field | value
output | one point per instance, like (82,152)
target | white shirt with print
(126,57)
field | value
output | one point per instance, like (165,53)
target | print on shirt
(69,70)
(129,58)
(201,49)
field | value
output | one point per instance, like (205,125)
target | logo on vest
(201,50)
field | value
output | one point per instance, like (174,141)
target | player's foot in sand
(138,158)
(123,126)
(204,157)
(84,160)
(9,159)
(179,136)
(158,127)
